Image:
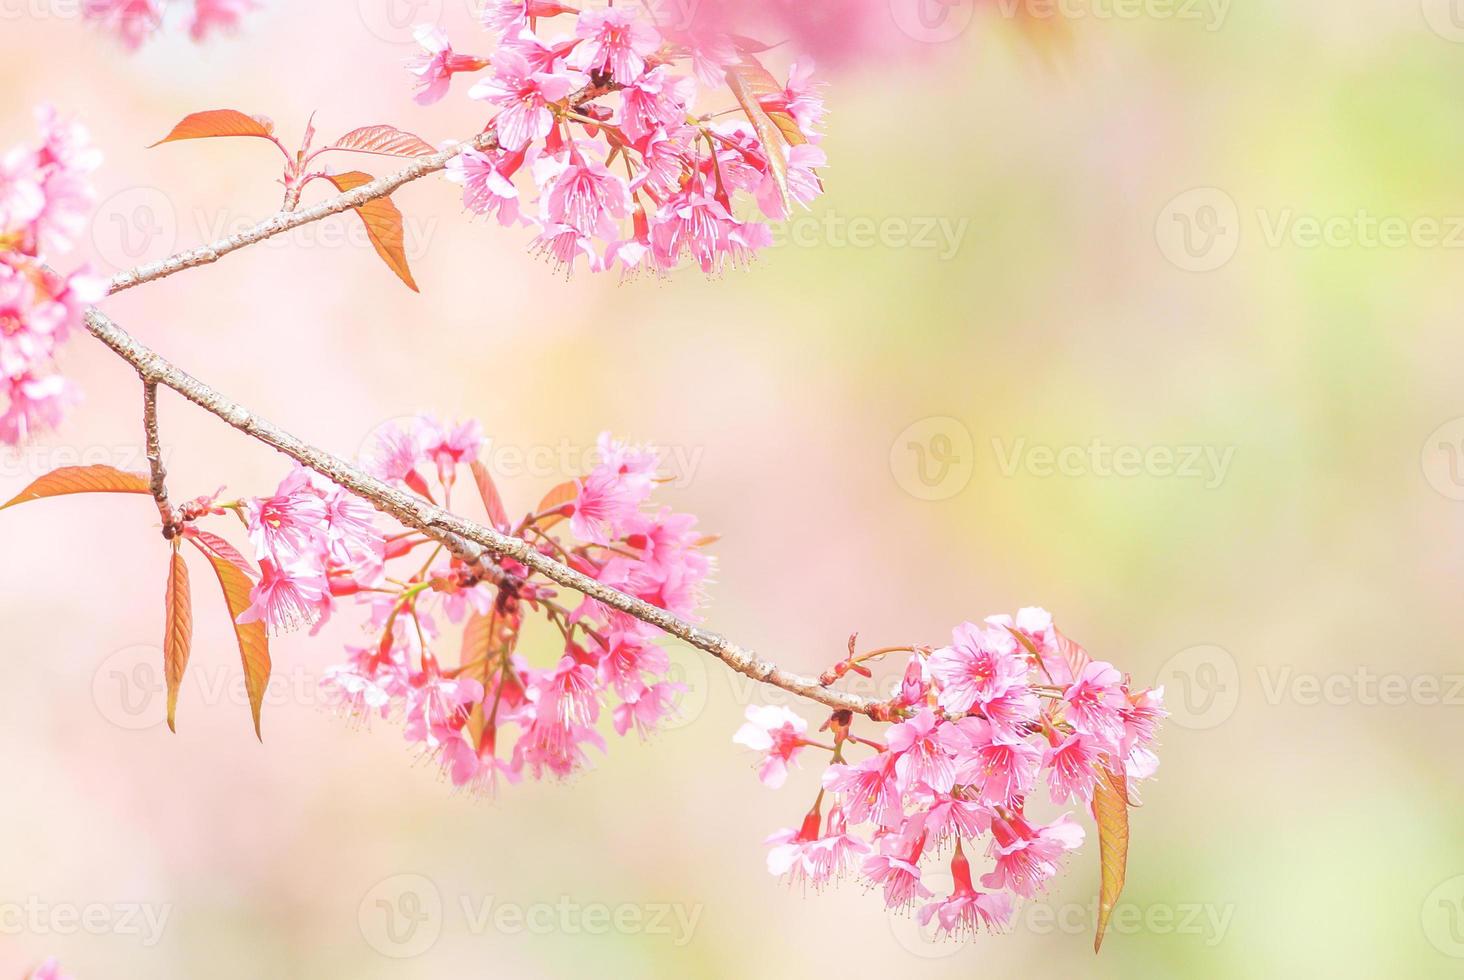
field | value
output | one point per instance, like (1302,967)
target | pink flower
(924,748)
(507,15)
(967,911)
(1026,857)
(701,227)
(615,42)
(289,525)
(287,596)
(450,445)
(870,789)
(1094,701)
(437,708)
(800,98)
(1004,767)
(1072,765)
(631,655)
(587,197)
(525,95)
(217,15)
(131,20)
(610,496)
(980,666)
(30,325)
(36,404)
(563,245)
(803,183)
(778,733)
(655,101)
(646,709)
(899,874)
(49,970)
(21,198)
(487,188)
(435,68)
(368,683)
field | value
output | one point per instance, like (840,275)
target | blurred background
(1150,319)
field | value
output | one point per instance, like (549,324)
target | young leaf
(1077,658)
(235,578)
(215,123)
(747,79)
(1110,812)
(497,515)
(384,140)
(487,640)
(383,225)
(178,637)
(81,479)
(565,493)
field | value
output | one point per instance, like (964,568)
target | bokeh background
(1123,334)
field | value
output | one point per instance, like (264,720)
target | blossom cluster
(135,21)
(49,970)
(615,90)
(44,200)
(492,713)
(1010,705)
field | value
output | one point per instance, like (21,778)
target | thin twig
(158,485)
(473,543)
(292,217)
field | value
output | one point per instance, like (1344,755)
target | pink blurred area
(788,397)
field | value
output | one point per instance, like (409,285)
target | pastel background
(1152,236)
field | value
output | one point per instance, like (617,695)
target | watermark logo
(401,917)
(1445,18)
(143,921)
(1199,230)
(1442,459)
(1201,686)
(1443,917)
(394,21)
(933,459)
(932,21)
(134,225)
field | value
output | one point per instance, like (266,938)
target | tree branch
(475,544)
(159,483)
(292,217)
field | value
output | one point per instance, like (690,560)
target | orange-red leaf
(748,81)
(1077,658)
(565,493)
(1110,812)
(215,123)
(81,479)
(497,515)
(384,140)
(383,225)
(178,636)
(487,641)
(234,574)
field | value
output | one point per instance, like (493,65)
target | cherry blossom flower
(1094,701)
(49,970)
(776,732)
(525,95)
(487,184)
(967,911)
(287,596)
(132,21)
(217,15)
(434,69)
(614,41)
(1026,857)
